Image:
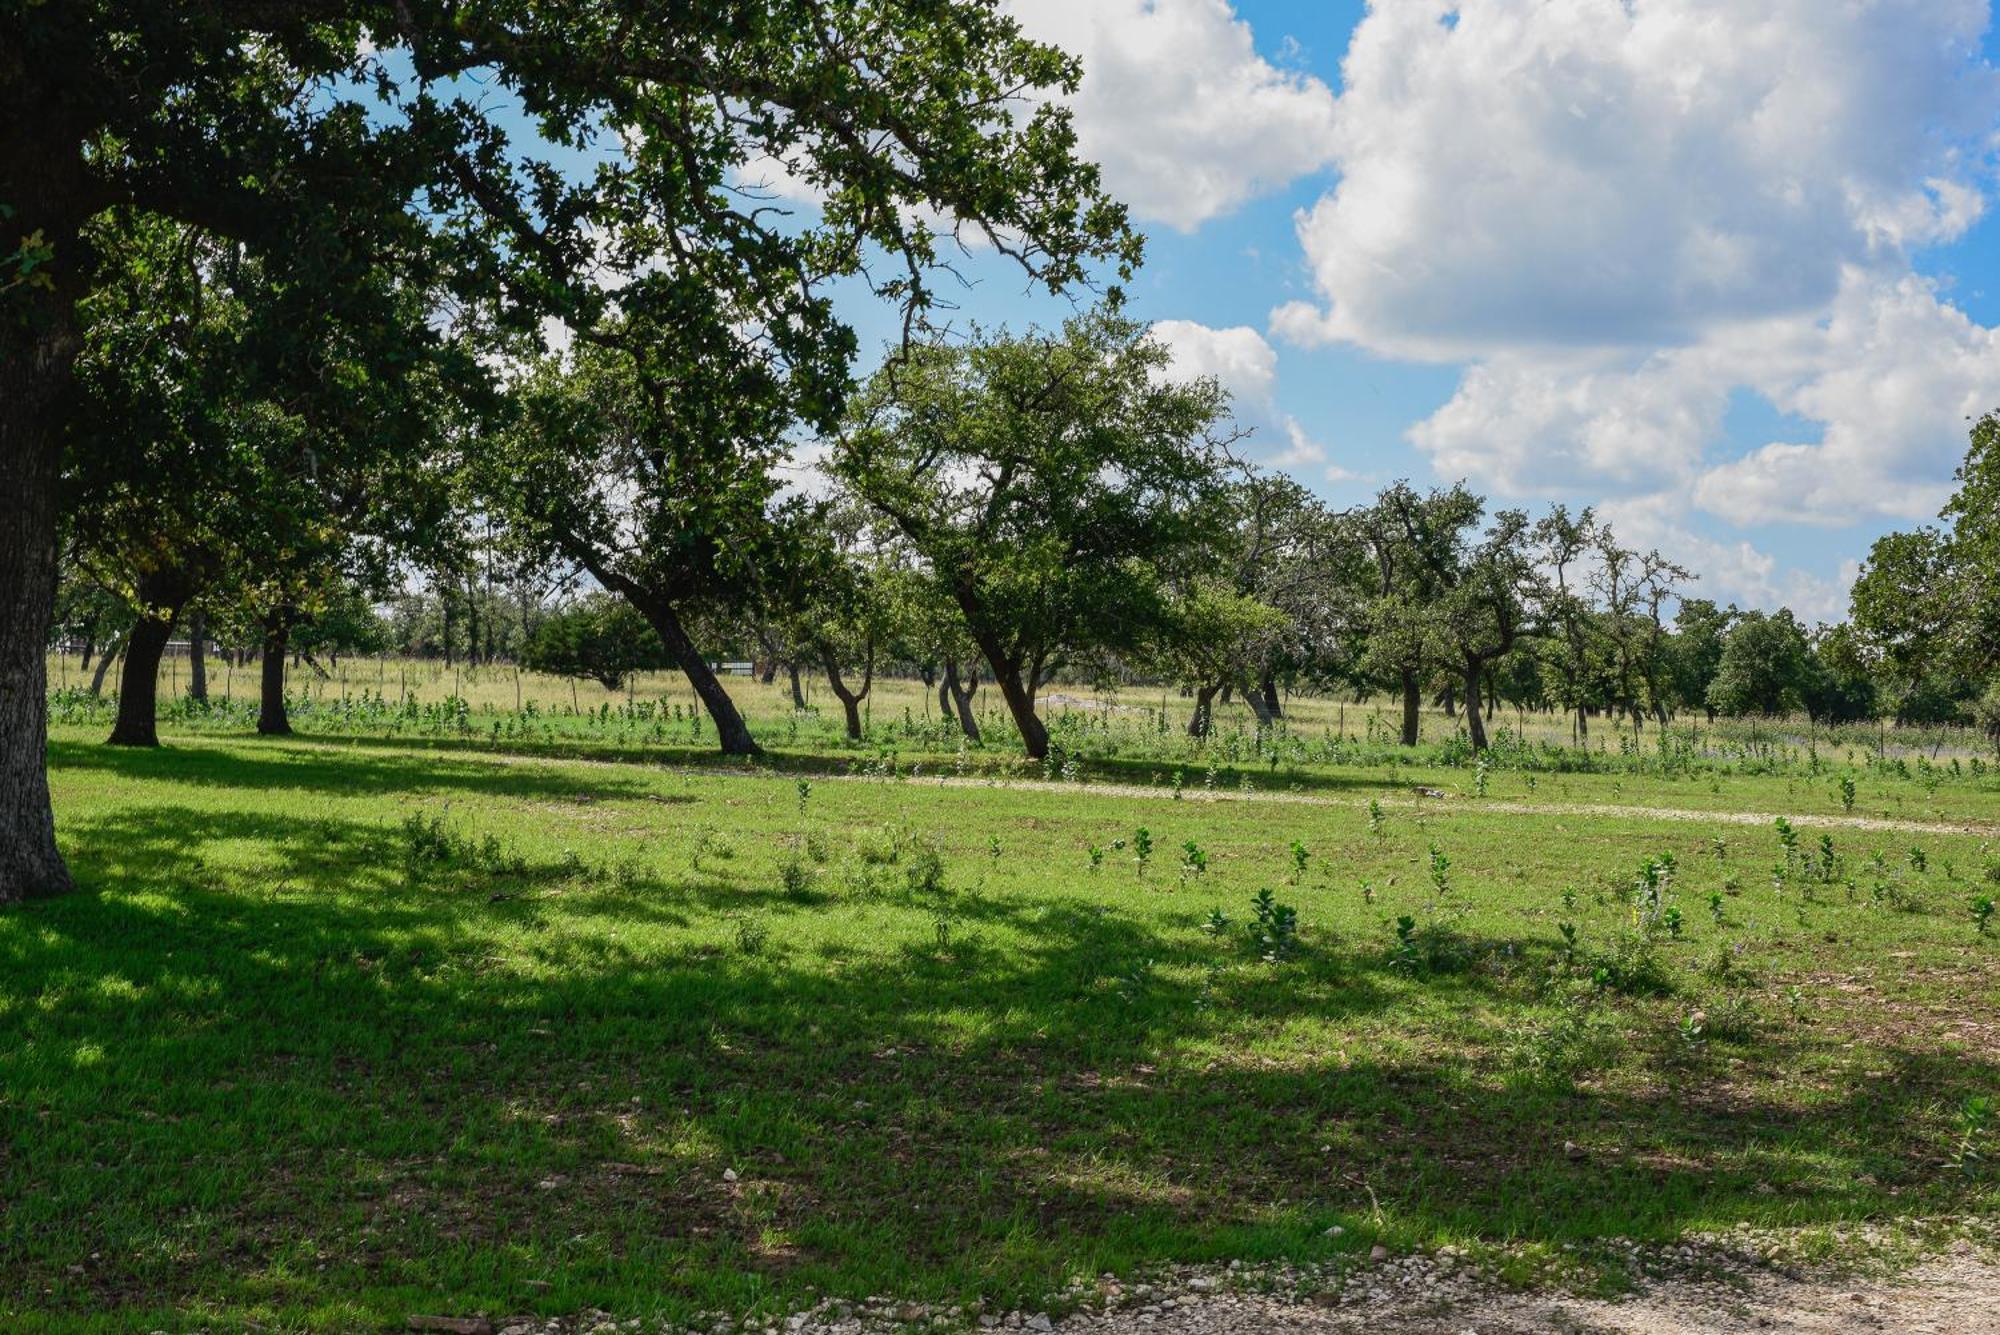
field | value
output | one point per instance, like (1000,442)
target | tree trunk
(104,662)
(1255,699)
(1272,705)
(850,700)
(1020,703)
(139,684)
(198,656)
(43,182)
(1582,723)
(944,690)
(1412,702)
(961,697)
(798,692)
(1202,721)
(1475,723)
(730,730)
(272,720)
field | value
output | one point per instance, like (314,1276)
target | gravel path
(1954,1297)
(1439,799)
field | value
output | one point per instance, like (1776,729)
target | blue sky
(1727,268)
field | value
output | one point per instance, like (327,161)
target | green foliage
(604,640)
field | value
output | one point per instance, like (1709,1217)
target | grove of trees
(307,349)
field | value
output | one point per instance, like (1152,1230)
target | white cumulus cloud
(1246,365)
(1622,213)
(1187,120)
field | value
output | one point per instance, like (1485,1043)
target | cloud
(1889,372)
(1247,366)
(1586,173)
(1730,570)
(1623,216)
(1187,120)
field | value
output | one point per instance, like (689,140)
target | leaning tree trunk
(272,719)
(1412,702)
(798,691)
(850,700)
(1475,723)
(198,656)
(112,651)
(961,696)
(1259,706)
(1020,703)
(139,684)
(1272,705)
(1202,721)
(39,340)
(730,730)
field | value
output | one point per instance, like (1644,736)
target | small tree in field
(1048,481)
(601,639)
(1765,667)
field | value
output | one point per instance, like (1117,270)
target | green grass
(338,1030)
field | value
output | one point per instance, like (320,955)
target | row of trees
(1007,509)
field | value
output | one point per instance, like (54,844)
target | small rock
(729,1175)
(1378,1253)
(1040,1321)
(1572,1150)
(1335,1231)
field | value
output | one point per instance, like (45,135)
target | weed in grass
(1690,1034)
(796,877)
(1918,861)
(923,866)
(1440,871)
(1194,861)
(1275,932)
(752,935)
(710,846)
(1096,856)
(1788,839)
(1982,913)
(1300,856)
(804,788)
(1975,1129)
(1216,923)
(1378,823)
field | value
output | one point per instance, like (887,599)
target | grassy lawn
(361,1024)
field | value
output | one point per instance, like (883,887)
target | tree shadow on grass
(436,1092)
(348,772)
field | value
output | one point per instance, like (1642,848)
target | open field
(395,1017)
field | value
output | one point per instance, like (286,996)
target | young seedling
(1440,870)
(1142,848)
(1194,861)
(1299,859)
